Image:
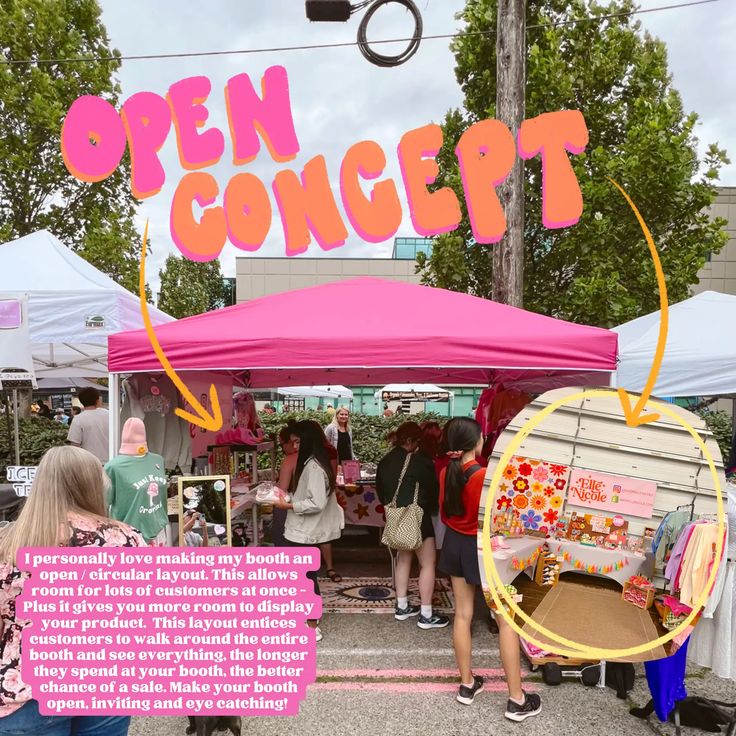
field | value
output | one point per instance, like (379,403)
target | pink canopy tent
(370,331)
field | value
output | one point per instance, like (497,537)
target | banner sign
(626,496)
(415,396)
(10,314)
(16,359)
(21,476)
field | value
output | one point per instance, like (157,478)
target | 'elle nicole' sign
(626,496)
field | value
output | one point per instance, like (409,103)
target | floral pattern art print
(536,490)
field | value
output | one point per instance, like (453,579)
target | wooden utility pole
(508,254)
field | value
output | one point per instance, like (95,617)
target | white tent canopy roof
(65,385)
(73,307)
(418,389)
(321,392)
(700,354)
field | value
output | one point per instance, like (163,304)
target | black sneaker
(401,614)
(466,695)
(433,622)
(532,707)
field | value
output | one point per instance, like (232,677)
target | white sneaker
(318,632)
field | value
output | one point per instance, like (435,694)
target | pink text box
(625,496)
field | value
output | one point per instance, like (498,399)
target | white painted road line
(400,652)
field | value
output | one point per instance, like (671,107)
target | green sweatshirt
(138,493)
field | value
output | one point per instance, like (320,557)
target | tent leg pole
(8,414)
(602,679)
(114,404)
(15,426)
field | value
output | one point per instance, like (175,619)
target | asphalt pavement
(379,676)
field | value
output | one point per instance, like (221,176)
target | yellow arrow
(211,422)
(634,415)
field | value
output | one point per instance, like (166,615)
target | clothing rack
(691,506)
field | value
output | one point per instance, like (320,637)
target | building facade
(257,277)
(719,273)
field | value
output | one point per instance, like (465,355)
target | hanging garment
(678,550)
(496,408)
(138,493)
(484,407)
(154,399)
(666,680)
(713,641)
(660,531)
(666,536)
(697,563)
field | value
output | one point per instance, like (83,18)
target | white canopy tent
(73,307)
(66,385)
(700,354)
(319,392)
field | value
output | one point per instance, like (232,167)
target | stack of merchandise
(548,569)
(639,591)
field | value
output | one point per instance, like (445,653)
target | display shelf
(247,457)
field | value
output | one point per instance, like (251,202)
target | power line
(273,49)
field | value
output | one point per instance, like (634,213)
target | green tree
(189,288)
(599,271)
(36,189)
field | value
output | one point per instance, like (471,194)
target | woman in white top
(314,516)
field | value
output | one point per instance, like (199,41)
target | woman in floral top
(66,507)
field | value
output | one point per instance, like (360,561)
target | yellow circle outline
(496,586)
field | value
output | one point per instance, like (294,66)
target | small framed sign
(204,500)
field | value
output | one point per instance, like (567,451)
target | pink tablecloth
(361,505)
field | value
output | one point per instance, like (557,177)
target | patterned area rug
(375,595)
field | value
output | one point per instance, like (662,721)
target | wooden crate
(664,611)
(492,605)
(646,593)
(546,561)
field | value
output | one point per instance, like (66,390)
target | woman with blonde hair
(66,507)
(339,434)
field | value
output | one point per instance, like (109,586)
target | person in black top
(76,411)
(420,470)
(43,409)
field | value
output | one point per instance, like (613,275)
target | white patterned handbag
(403,530)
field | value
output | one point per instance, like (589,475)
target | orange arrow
(633,415)
(210,422)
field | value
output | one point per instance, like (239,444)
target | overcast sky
(338,98)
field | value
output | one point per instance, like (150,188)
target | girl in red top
(461,486)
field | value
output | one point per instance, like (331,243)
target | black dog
(207,725)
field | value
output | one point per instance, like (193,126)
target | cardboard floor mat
(595,617)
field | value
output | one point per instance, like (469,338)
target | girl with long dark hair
(431,445)
(398,473)
(461,486)
(314,516)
